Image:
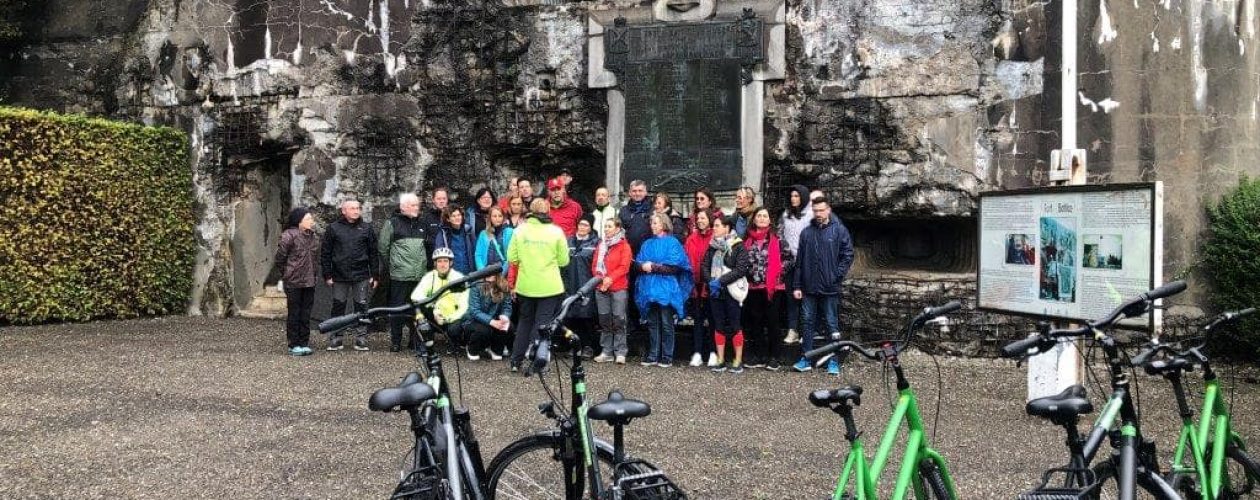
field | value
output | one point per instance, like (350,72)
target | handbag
(738,288)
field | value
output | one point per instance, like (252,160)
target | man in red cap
(565,211)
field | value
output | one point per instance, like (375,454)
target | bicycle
(919,459)
(1133,463)
(527,468)
(445,460)
(1211,441)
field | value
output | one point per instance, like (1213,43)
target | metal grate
(381,147)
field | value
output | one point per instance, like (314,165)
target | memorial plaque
(681,84)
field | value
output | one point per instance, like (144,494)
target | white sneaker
(493,355)
(713,361)
(621,360)
(471,356)
(792,337)
(696,360)
(603,358)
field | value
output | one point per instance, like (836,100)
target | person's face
(601,197)
(702,220)
(822,212)
(410,208)
(307,222)
(440,199)
(703,202)
(659,204)
(762,219)
(657,227)
(485,200)
(496,218)
(638,193)
(511,189)
(743,199)
(443,265)
(719,229)
(351,210)
(456,218)
(524,188)
(609,227)
(584,228)
(517,206)
(557,195)
(795,199)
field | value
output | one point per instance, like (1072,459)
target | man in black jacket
(348,258)
(432,220)
(822,261)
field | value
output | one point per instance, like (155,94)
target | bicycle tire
(1243,479)
(535,482)
(933,481)
(1109,489)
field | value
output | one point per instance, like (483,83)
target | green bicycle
(922,468)
(1210,441)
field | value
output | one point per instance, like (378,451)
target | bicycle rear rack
(643,481)
(420,484)
(1047,492)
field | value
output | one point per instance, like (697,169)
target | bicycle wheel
(1109,480)
(530,469)
(933,481)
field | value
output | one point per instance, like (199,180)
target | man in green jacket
(538,250)
(401,245)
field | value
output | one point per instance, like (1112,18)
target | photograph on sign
(1070,252)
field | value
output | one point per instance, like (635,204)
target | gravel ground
(197,407)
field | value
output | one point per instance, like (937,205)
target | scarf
(604,244)
(721,247)
(774,263)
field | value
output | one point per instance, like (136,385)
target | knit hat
(589,218)
(296,216)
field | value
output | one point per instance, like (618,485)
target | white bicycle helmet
(443,253)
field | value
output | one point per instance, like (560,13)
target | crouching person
(485,328)
(449,309)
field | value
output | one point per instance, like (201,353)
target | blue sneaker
(306,351)
(833,366)
(295,351)
(802,366)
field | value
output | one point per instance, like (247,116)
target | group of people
(736,276)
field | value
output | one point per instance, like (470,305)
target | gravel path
(197,407)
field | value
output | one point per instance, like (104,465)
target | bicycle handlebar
(816,354)
(928,314)
(1228,317)
(343,322)
(932,313)
(539,354)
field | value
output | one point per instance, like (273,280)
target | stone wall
(903,110)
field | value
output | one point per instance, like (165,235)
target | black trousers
(761,326)
(534,312)
(298,325)
(479,337)
(399,293)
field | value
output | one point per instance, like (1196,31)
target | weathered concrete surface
(159,408)
(901,110)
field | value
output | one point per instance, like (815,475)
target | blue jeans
(810,306)
(660,334)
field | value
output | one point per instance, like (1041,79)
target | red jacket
(566,216)
(618,265)
(695,246)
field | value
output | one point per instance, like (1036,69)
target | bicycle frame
(462,454)
(916,449)
(578,409)
(1214,421)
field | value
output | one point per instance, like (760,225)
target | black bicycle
(566,461)
(445,460)
(1133,464)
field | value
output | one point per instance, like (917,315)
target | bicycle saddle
(1062,407)
(618,410)
(824,398)
(401,398)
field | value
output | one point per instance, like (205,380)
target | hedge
(1232,259)
(97,219)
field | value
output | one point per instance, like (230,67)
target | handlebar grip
(1167,290)
(937,312)
(338,323)
(1019,348)
(817,353)
(589,286)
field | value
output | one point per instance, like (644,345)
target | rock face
(902,110)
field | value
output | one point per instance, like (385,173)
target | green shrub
(1232,258)
(97,219)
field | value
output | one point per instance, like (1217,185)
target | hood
(804,192)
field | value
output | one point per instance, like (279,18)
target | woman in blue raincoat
(661,289)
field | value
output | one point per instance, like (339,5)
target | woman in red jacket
(767,259)
(611,262)
(701,330)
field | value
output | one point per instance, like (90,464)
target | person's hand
(329,281)
(797,294)
(605,284)
(646,267)
(715,286)
(373,282)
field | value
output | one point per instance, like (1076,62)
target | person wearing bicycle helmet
(450,308)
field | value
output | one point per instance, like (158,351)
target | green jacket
(538,250)
(401,247)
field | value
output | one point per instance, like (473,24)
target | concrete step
(257,314)
(272,292)
(265,303)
